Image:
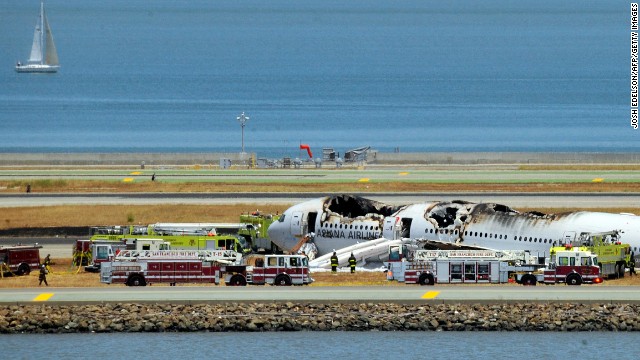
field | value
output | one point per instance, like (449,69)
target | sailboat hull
(37,68)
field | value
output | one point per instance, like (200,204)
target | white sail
(36,48)
(43,57)
(52,54)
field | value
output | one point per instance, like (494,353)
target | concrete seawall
(427,158)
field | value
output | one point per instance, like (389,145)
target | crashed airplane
(340,221)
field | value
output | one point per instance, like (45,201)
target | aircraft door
(569,237)
(298,224)
(392,229)
(406,227)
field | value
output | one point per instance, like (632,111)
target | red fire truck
(20,259)
(280,270)
(139,268)
(572,268)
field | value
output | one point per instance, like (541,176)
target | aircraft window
(520,238)
(476,234)
(530,239)
(351,226)
(376,228)
(360,227)
(490,236)
(281,218)
(456,232)
(465,233)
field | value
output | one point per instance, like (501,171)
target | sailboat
(43,58)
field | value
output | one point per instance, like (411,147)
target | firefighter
(352,263)
(334,263)
(47,262)
(43,275)
(632,265)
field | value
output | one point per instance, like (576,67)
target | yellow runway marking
(430,294)
(43,297)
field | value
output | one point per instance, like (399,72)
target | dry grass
(93,186)
(87,215)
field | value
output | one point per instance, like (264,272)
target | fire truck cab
(280,270)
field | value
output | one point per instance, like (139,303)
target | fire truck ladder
(220,256)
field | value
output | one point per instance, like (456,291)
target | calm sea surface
(421,75)
(323,345)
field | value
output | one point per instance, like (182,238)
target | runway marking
(43,297)
(430,294)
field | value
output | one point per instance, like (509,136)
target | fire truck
(613,255)
(281,270)
(254,231)
(427,267)
(192,236)
(103,251)
(20,259)
(139,268)
(573,268)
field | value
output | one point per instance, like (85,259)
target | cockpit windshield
(281,219)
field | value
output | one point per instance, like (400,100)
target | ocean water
(322,345)
(416,75)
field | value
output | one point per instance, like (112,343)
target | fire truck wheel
(136,280)
(237,280)
(529,280)
(282,280)
(426,279)
(574,279)
(23,269)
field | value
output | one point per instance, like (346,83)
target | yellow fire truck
(613,255)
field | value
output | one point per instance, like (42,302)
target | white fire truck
(427,267)
(139,268)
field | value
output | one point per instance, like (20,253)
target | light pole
(243,120)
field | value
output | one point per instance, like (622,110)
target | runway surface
(396,294)
(515,200)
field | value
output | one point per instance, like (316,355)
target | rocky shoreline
(131,317)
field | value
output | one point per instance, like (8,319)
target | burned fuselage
(343,220)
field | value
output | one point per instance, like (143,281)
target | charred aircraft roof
(353,206)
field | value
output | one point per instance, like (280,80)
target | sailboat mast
(42,44)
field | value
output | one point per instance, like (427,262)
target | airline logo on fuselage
(349,234)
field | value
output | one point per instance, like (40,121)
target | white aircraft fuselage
(342,220)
